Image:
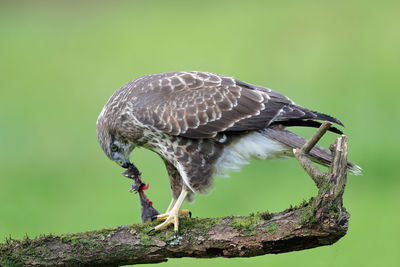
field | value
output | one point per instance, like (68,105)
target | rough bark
(318,222)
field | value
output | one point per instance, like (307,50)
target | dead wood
(321,221)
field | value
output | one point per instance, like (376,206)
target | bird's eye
(114,148)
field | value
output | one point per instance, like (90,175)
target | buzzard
(202,125)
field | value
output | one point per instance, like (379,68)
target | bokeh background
(61,60)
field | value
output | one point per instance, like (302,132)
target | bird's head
(119,152)
(116,147)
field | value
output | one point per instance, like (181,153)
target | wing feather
(201,104)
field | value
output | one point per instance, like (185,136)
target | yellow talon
(164,216)
(172,215)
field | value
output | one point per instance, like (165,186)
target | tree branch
(321,221)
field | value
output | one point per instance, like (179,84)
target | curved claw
(170,218)
(164,216)
(172,215)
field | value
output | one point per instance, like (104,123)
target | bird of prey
(202,125)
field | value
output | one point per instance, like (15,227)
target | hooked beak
(124,164)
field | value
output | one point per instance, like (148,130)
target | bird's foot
(164,216)
(170,217)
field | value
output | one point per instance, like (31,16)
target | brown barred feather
(200,105)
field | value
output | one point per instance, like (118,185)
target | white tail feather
(242,150)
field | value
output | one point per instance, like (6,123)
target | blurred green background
(61,60)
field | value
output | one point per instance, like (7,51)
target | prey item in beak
(147,211)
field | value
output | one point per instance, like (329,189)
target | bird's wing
(201,104)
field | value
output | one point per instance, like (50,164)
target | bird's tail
(318,154)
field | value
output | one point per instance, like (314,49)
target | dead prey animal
(148,212)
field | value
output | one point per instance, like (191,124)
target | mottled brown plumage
(200,123)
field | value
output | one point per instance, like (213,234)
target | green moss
(247,224)
(271,228)
(9,256)
(8,261)
(308,216)
(105,231)
(166,235)
(72,239)
(86,240)
(143,227)
(333,211)
(303,204)
(145,239)
(199,225)
(242,223)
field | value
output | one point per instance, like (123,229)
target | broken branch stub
(329,202)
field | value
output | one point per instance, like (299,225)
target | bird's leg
(173,213)
(171,205)
(162,217)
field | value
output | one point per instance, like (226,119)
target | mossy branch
(321,221)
